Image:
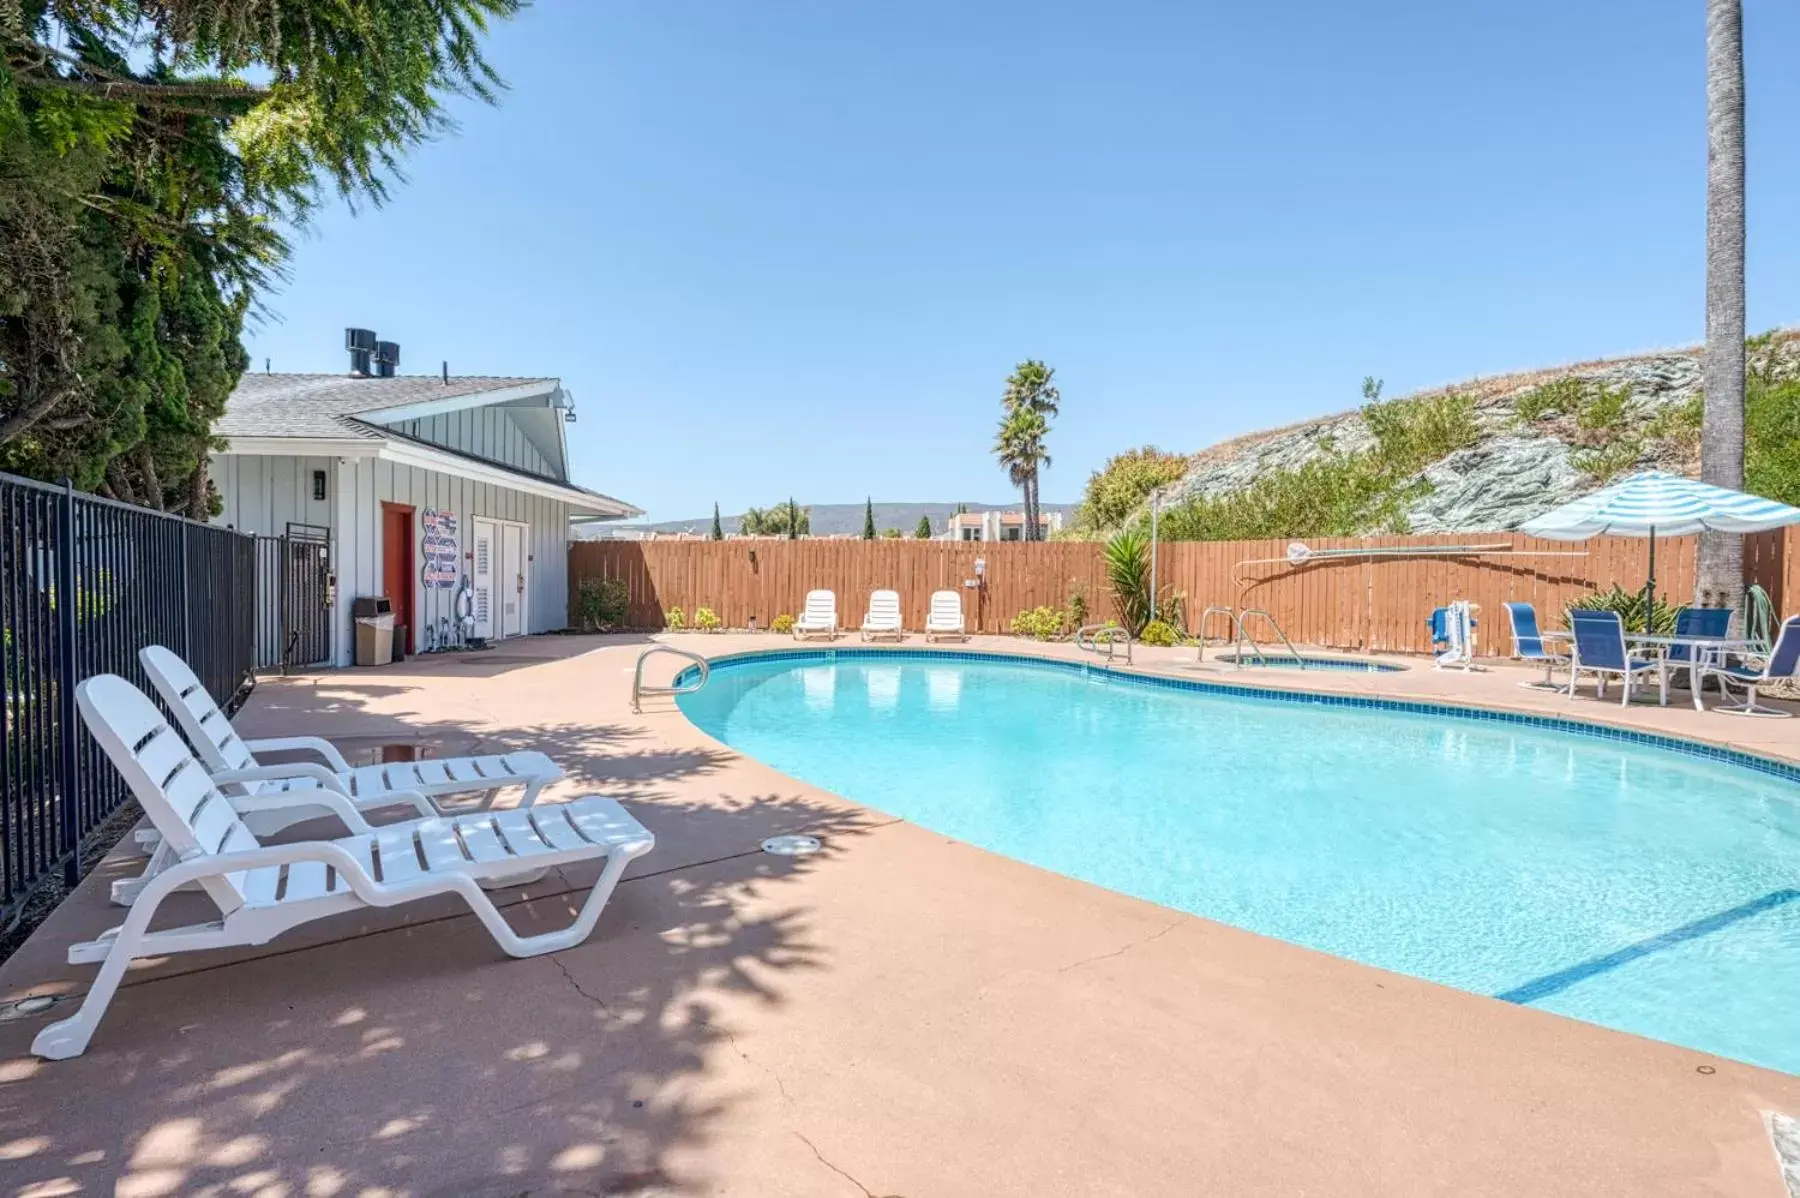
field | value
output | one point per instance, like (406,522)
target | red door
(397,568)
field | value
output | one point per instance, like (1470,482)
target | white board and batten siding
(362,485)
(490,433)
(266,494)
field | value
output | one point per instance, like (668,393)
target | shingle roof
(323,405)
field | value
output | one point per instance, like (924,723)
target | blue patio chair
(1528,644)
(1600,650)
(1713,623)
(1783,662)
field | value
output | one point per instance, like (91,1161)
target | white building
(419,486)
(998,526)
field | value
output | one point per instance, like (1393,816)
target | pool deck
(898,1015)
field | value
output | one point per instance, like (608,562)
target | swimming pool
(1622,883)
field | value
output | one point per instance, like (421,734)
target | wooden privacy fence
(1362,602)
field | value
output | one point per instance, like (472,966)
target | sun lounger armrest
(276,773)
(208,865)
(315,744)
(331,800)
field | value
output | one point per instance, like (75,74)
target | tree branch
(19,422)
(148,94)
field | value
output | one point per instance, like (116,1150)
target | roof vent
(387,358)
(361,344)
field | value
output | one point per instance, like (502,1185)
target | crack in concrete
(863,1189)
(1119,952)
(579,989)
(751,1061)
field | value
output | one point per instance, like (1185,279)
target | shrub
(706,620)
(1040,623)
(675,619)
(1413,433)
(1605,462)
(1630,606)
(603,603)
(1078,608)
(1602,413)
(1158,633)
(783,623)
(1121,486)
(1772,439)
(1560,397)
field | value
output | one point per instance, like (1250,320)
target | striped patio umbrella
(1654,502)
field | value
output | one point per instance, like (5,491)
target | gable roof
(341,413)
(325,406)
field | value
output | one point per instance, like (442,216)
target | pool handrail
(1200,630)
(1085,638)
(638,689)
(1243,618)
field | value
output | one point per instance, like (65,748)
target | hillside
(1525,442)
(828,519)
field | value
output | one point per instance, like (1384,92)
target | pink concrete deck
(901,1015)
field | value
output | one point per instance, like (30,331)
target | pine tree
(718,530)
(869,519)
(923,532)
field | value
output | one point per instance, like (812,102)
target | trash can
(374,630)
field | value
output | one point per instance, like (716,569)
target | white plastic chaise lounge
(232,762)
(884,616)
(945,617)
(263,890)
(818,617)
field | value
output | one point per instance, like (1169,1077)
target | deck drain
(27,1007)
(792,846)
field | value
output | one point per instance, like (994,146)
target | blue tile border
(1787,771)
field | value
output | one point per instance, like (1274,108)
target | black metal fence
(84,584)
(293,585)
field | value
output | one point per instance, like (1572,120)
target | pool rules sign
(437,549)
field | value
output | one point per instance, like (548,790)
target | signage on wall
(437,545)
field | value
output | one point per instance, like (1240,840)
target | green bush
(1128,571)
(1339,494)
(1560,397)
(1040,623)
(706,620)
(603,603)
(1078,607)
(1630,606)
(1156,632)
(1605,462)
(1120,487)
(1603,413)
(675,619)
(1772,439)
(783,623)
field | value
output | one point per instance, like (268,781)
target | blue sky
(795,247)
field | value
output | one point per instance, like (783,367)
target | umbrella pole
(1650,587)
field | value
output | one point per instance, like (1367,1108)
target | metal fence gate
(84,584)
(293,598)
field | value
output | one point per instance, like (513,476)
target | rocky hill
(1539,438)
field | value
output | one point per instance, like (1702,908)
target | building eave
(541,389)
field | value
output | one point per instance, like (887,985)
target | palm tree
(1720,578)
(1019,446)
(1031,388)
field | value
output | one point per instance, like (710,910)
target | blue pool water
(1629,885)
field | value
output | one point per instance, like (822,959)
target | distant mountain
(828,519)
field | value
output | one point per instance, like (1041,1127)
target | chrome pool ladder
(638,689)
(1243,636)
(1234,633)
(1088,638)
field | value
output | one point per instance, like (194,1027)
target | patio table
(1704,651)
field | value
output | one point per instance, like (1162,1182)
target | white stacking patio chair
(264,890)
(818,617)
(232,762)
(883,619)
(945,617)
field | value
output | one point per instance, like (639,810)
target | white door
(482,577)
(511,580)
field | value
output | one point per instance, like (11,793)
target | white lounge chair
(232,763)
(884,616)
(945,617)
(262,891)
(818,617)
